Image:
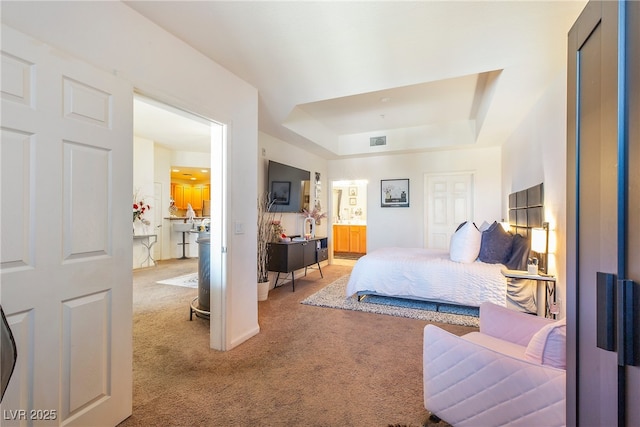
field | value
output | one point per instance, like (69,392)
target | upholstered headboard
(526,210)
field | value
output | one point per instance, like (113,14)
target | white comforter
(428,274)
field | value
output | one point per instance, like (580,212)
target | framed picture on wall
(280,192)
(394,193)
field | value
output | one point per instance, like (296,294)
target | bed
(468,274)
(427,274)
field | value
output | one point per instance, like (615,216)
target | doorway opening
(178,170)
(349,220)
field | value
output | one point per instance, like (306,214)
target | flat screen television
(288,187)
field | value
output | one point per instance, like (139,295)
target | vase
(309,220)
(263,290)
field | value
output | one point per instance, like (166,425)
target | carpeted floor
(309,365)
(333,296)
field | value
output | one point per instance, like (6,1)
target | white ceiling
(176,130)
(170,127)
(427,75)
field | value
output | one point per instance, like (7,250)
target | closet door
(592,173)
(602,389)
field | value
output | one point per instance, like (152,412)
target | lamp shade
(539,240)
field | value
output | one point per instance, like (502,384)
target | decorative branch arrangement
(265,235)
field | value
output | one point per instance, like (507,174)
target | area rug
(333,296)
(188,281)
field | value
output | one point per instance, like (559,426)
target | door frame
(218,260)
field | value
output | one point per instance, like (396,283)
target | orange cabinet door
(341,238)
(178,196)
(362,240)
(196,198)
(358,239)
(206,192)
(188,196)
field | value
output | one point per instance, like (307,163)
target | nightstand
(550,305)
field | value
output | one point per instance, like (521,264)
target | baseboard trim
(242,338)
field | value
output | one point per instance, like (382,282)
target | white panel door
(65,261)
(449,202)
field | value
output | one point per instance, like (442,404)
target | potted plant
(265,235)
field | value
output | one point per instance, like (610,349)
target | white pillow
(548,346)
(465,243)
(484,227)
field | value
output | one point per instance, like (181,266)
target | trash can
(204,252)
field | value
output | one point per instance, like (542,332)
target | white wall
(143,158)
(190,159)
(537,153)
(404,227)
(112,36)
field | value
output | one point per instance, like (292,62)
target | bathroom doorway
(349,220)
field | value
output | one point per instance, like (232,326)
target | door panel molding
(66,284)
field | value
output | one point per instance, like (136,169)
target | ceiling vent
(377,140)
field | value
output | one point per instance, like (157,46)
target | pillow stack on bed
(490,244)
(465,243)
(496,245)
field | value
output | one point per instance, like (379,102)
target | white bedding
(428,274)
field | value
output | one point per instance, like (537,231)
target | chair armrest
(509,325)
(468,384)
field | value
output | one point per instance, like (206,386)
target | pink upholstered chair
(512,372)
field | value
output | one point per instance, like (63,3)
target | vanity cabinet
(287,257)
(350,238)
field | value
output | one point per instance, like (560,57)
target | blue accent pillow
(519,253)
(496,245)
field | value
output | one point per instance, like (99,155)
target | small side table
(550,305)
(145,240)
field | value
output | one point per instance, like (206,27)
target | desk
(145,240)
(550,304)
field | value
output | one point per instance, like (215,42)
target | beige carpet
(309,366)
